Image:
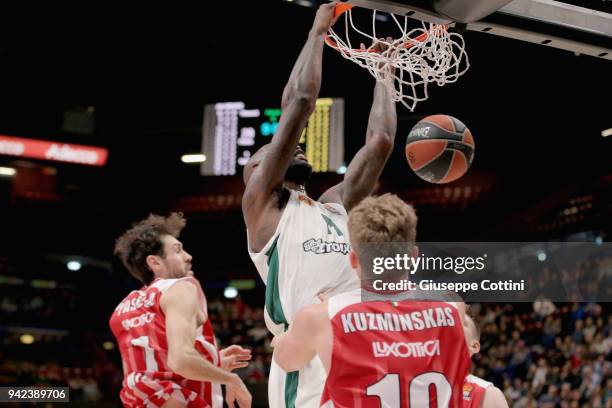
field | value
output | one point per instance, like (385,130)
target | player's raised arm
(180,306)
(299,98)
(367,165)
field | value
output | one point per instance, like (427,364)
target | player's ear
(354,259)
(153,262)
(475,346)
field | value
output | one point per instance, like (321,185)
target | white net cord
(409,63)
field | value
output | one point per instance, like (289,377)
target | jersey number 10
(387,389)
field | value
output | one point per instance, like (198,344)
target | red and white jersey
(139,325)
(474,390)
(395,354)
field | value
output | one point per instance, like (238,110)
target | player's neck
(294,186)
(369,287)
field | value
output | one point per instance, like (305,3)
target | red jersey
(474,390)
(395,354)
(139,325)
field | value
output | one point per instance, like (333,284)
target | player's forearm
(292,355)
(305,79)
(367,165)
(382,121)
(192,365)
(298,103)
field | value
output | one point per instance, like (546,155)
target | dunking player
(300,245)
(379,353)
(478,393)
(167,344)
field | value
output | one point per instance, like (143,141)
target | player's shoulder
(187,284)
(341,301)
(335,208)
(494,397)
(165,284)
(459,305)
(472,379)
(179,290)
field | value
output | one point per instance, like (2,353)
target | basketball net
(408,64)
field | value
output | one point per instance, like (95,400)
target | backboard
(582,27)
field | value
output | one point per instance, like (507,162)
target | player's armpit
(333,194)
(296,347)
(494,398)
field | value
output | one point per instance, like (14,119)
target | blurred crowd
(235,322)
(547,355)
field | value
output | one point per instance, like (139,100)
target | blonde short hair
(382,227)
(385,218)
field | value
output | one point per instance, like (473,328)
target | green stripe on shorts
(291,386)
(275,311)
(273,303)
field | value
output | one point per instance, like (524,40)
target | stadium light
(541,256)
(341,169)
(26,338)
(230,292)
(74,265)
(108,345)
(304,3)
(193,158)
(7,171)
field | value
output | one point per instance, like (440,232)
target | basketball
(440,149)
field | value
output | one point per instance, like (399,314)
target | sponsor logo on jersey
(318,246)
(404,350)
(467,391)
(138,321)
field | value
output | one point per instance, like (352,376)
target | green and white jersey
(306,256)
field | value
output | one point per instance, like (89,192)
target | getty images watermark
(410,264)
(489,272)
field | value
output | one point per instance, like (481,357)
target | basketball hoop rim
(342,8)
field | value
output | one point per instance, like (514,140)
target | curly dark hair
(144,239)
